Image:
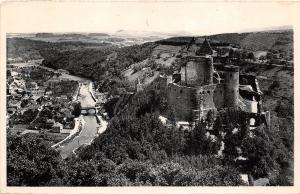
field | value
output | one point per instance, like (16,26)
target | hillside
(27,49)
(276,41)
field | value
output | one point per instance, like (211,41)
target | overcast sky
(193,17)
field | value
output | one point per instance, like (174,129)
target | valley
(164,111)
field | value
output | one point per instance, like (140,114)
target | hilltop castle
(199,89)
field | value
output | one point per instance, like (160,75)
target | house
(184,125)
(65,97)
(67,112)
(14,104)
(32,86)
(50,122)
(11,110)
(48,92)
(57,127)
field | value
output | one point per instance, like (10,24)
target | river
(89,131)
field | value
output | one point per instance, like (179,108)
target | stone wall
(197,72)
(205,100)
(185,101)
(219,96)
(190,76)
(182,99)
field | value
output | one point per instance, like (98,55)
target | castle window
(208,92)
(181,91)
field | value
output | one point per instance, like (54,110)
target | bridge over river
(88,110)
(91,125)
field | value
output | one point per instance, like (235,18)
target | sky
(168,17)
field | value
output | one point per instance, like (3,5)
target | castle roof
(192,45)
(205,48)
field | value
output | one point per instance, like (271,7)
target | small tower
(231,86)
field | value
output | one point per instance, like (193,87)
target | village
(40,100)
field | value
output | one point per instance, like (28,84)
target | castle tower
(198,65)
(205,63)
(231,86)
(209,71)
(204,70)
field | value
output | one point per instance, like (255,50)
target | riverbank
(79,125)
(89,131)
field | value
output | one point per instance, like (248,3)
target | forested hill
(27,49)
(94,63)
(255,41)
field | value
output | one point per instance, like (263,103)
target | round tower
(231,79)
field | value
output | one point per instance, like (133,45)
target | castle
(198,89)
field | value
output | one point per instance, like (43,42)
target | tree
(32,162)
(251,56)
(77,109)
(198,141)
(257,149)
(262,57)
(218,176)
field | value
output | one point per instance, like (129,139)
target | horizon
(252,30)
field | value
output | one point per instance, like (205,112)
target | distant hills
(281,40)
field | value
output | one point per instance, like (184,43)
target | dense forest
(137,149)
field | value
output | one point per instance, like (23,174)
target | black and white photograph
(206,105)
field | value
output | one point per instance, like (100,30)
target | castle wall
(190,76)
(206,71)
(191,103)
(251,106)
(205,102)
(182,100)
(218,98)
(207,94)
(198,71)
